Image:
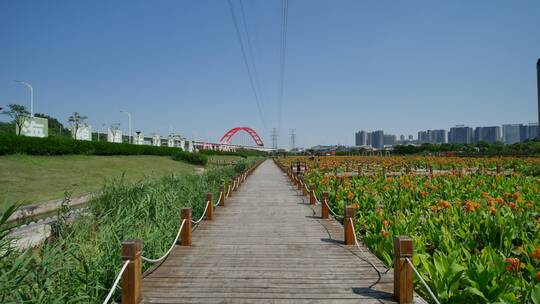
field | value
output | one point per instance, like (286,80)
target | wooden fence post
(300,184)
(347,225)
(185,235)
(312,198)
(132,277)
(430,167)
(222,200)
(324,206)
(403,273)
(210,212)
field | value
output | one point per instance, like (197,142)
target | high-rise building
(361,138)
(389,140)
(423,137)
(410,137)
(377,139)
(529,131)
(511,133)
(437,136)
(534,131)
(487,134)
(537,135)
(402,137)
(460,134)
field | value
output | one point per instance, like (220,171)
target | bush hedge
(240,152)
(192,158)
(13,144)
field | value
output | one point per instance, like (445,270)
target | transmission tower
(293,139)
(274,137)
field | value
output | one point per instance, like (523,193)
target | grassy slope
(31,179)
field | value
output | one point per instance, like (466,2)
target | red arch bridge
(225,145)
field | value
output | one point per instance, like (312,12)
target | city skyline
(505,133)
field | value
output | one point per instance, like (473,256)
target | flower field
(475,222)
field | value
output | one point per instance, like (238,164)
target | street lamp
(129,121)
(31,96)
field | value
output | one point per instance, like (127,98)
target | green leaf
(535,294)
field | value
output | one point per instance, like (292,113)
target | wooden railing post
(210,211)
(185,235)
(304,189)
(324,206)
(132,277)
(222,200)
(300,184)
(347,225)
(403,273)
(430,170)
(312,197)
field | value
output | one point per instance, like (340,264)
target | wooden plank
(268,245)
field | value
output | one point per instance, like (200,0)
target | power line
(283,50)
(250,49)
(239,36)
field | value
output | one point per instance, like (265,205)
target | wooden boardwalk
(268,245)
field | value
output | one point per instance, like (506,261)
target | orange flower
(500,200)
(517,196)
(386,223)
(444,204)
(384,233)
(512,205)
(423,194)
(492,210)
(350,195)
(513,264)
(536,253)
(471,206)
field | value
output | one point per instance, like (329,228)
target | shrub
(12,144)
(192,158)
(240,152)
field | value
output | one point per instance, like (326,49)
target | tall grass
(80,264)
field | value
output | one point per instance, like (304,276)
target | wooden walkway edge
(268,245)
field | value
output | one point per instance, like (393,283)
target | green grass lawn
(31,179)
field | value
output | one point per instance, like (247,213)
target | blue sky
(399,66)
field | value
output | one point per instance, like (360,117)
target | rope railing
(203,215)
(115,284)
(337,216)
(170,249)
(423,282)
(219,199)
(228,191)
(366,258)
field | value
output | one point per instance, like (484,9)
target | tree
(114,129)
(76,120)
(18,113)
